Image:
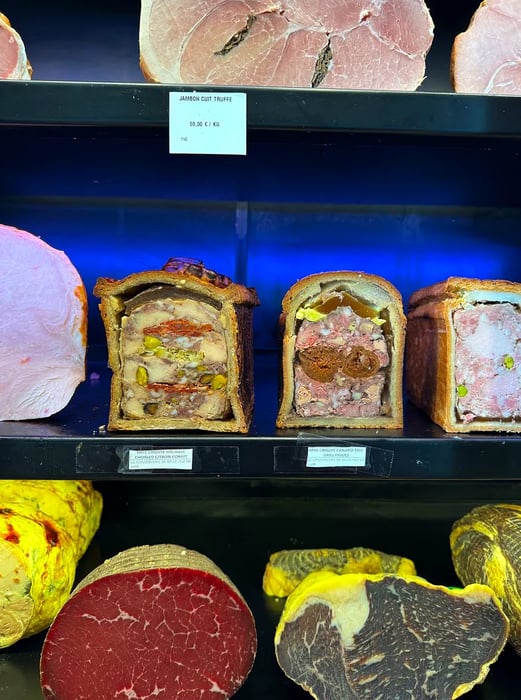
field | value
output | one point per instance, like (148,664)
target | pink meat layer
(43,317)
(346,396)
(488,362)
(161,634)
(487,56)
(13,60)
(374,44)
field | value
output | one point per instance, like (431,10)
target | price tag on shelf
(211,123)
(336,456)
(160,459)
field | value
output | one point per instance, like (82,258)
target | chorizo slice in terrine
(153,621)
(180,348)
(342,352)
(362,637)
(43,327)
(463,356)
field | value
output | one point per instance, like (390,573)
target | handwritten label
(212,123)
(336,457)
(160,459)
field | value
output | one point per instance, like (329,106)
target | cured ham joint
(239,36)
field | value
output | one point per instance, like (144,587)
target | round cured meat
(153,621)
(43,326)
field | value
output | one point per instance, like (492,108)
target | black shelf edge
(61,103)
(75,444)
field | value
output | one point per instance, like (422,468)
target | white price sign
(336,457)
(212,123)
(160,459)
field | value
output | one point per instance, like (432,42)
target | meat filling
(173,358)
(488,362)
(341,360)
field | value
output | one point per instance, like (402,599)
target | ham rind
(153,629)
(13,58)
(486,58)
(487,362)
(42,327)
(373,44)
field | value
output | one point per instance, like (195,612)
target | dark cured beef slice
(417,643)
(165,633)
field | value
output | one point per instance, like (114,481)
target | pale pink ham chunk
(13,58)
(486,58)
(43,317)
(488,362)
(363,44)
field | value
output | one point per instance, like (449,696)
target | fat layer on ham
(357,44)
(13,58)
(486,58)
(487,362)
(42,327)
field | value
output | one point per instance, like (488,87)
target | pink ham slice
(363,44)
(43,321)
(13,58)
(152,622)
(486,58)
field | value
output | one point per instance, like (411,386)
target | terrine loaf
(342,352)
(364,636)
(463,356)
(45,528)
(485,547)
(152,621)
(289,567)
(180,349)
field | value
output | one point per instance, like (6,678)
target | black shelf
(65,103)
(75,444)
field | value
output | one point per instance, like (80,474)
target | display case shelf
(64,103)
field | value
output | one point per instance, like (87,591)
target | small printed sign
(181,458)
(211,123)
(336,456)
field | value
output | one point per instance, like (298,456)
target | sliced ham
(43,324)
(363,44)
(13,58)
(155,621)
(486,58)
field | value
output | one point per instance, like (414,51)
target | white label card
(160,459)
(212,123)
(336,456)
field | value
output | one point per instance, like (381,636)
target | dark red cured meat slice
(161,633)
(361,44)
(13,59)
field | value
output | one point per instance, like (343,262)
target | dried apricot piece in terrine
(363,636)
